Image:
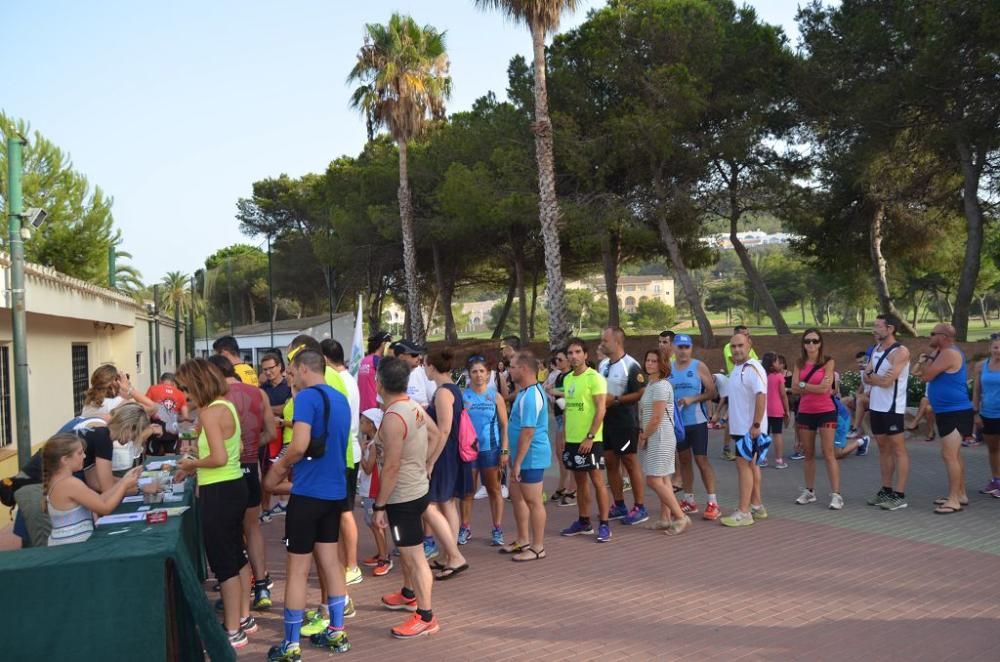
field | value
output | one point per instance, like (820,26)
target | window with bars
(6,417)
(81,376)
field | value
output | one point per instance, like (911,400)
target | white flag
(357,345)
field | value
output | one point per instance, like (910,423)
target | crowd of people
(414,433)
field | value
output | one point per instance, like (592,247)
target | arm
(502,424)
(707,385)
(368,459)
(106,502)
(659,409)
(435,440)
(444,402)
(599,403)
(100,477)
(898,359)
(270,425)
(785,403)
(523,445)
(505,388)
(759,411)
(825,387)
(930,367)
(212,424)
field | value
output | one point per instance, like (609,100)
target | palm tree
(177,300)
(402,71)
(542,17)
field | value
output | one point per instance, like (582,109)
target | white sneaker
(480,493)
(807,496)
(836,501)
(503,492)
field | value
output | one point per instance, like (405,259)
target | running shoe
(797,455)
(863,445)
(430,549)
(712,511)
(464,533)
(762,463)
(496,538)
(970,442)
(618,512)
(416,627)
(397,601)
(637,515)
(558,494)
(371,561)
(261,596)
(853,433)
(238,639)
(285,653)
(248,625)
(382,568)
(504,492)
(780,463)
(313,622)
(333,640)
(481,493)
(626,484)
(728,454)
(880,497)
(350,611)
(737,519)
(264,517)
(279,510)
(893,502)
(690,506)
(568,499)
(603,533)
(353,576)
(758,513)
(577,529)
(992,488)
(807,496)
(836,501)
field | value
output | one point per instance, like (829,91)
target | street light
(15,203)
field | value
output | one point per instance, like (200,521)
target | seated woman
(924,412)
(70,503)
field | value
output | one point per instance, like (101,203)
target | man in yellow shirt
(585,391)
(228,347)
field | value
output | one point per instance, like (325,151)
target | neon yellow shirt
(231,469)
(287,413)
(580,406)
(246,374)
(336,382)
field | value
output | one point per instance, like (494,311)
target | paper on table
(121,518)
(135,498)
(154,466)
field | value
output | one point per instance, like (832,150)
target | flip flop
(513,548)
(677,489)
(538,556)
(437,565)
(947,510)
(940,501)
(448,573)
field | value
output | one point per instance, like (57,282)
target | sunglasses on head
(476,359)
(995,336)
(811,341)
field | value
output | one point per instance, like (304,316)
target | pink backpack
(468,445)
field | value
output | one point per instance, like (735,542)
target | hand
(516,472)
(131,479)
(504,459)
(273,477)
(978,420)
(685,401)
(585,446)
(154,430)
(643,439)
(180,476)
(187,465)
(380,520)
(430,469)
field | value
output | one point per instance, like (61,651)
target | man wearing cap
(693,387)
(420,388)
(747,391)
(377,343)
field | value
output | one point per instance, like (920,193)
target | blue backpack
(678,421)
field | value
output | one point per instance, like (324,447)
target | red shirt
(172,398)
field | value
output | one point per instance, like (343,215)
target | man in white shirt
(747,392)
(420,388)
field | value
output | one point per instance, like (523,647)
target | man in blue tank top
(943,369)
(693,387)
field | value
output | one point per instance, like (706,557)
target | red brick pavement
(782,589)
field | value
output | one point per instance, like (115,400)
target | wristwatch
(504,451)
(590,436)
(377,507)
(802,384)
(756,425)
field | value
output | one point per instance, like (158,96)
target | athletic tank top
(231,469)
(250,410)
(412,482)
(989,391)
(949,392)
(69,526)
(888,399)
(687,384)
(482,410)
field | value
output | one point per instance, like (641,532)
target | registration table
(131,592)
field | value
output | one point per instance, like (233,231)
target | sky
(175,108)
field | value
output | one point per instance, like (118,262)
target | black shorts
(955,420)
(775,424)
(885,423)
(623,441)
(991,426)
(573,461)
(251,475)
(695,439)
(813,422)
(222,508)
(352,486)
(310,520)
(405,523)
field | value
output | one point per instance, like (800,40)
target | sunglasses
(476,359)
(942,333)
(995,336)
(811,341)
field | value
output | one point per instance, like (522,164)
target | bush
(653,314)
(850,382)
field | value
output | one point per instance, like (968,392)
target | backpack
(10,485)
(468,444)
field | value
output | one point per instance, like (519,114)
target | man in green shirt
(585,392)
(727,351)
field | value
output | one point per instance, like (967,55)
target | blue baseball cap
(682,340)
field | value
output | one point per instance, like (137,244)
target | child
(70,503)
(777,405)
(371,419)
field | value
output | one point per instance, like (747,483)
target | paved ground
(809,584)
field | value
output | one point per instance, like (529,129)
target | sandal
(940,501)
(538,555)
(448,573)
(513,548)
(436,565)
(947,510)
